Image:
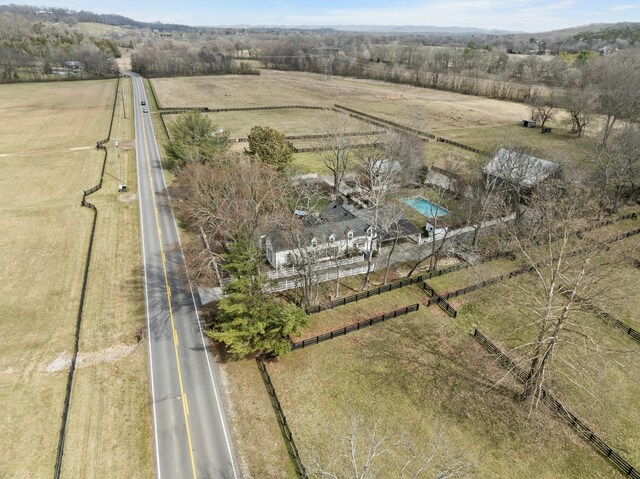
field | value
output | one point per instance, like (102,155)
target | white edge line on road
(195,307)
(146,299)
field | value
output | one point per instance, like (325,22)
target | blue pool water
(425,207)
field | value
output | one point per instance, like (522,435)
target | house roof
(335,213)
(338,220)
(518,167)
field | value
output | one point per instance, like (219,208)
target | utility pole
(124,109)
(117,160)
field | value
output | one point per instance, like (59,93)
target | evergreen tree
(249,320)
(270,146)
(194,138)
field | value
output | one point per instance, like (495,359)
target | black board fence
(316,136)
(434,298)
(618,461)
(528,269)
(365,294)
(292,449)
(72,366)
(458,267)
(155,96)
(377,121)
(602,314)
(408,129)
(402,283)
(305,343)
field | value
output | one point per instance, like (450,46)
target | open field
(256,434)
(477,121)
(414,375)
(91,28)
(44,241)
(418,107)
(54,116)
(557,145)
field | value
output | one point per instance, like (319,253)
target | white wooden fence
(321,278)
(293,271)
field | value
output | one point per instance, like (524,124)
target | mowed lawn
(414,376)
(44,242)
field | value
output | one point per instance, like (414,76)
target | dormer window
(314,243)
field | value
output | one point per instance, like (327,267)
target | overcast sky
(518,15)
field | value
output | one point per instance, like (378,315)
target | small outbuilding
(517,167)
(528,123)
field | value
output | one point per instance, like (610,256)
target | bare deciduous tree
(337,148)
(363,450)
(543,108)
(617,81)
(239,194)
(579,100)
(617,168)
(564,271)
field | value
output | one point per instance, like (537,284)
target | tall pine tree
(249,320)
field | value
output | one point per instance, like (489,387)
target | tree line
(39,51)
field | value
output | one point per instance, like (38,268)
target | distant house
(607,50)
(73,66)
(528,123)
(516,167)
(338,231)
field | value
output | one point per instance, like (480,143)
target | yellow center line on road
(183,395)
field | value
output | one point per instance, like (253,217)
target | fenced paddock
(295,121)
(402,104)
(51,158)
(397,375)
(336,333)
(583,430)
(496,311)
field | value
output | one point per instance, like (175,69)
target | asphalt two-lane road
(190,431)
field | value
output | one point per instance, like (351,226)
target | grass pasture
(39,117)
(45,236)
(418,373)
(606,400)
(414,375)
(557,145)
(44,241)
(418,107)
(622,300)
(288,122)
(477,121)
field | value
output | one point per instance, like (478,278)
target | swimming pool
(425,207)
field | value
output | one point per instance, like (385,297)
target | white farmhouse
(337,232)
